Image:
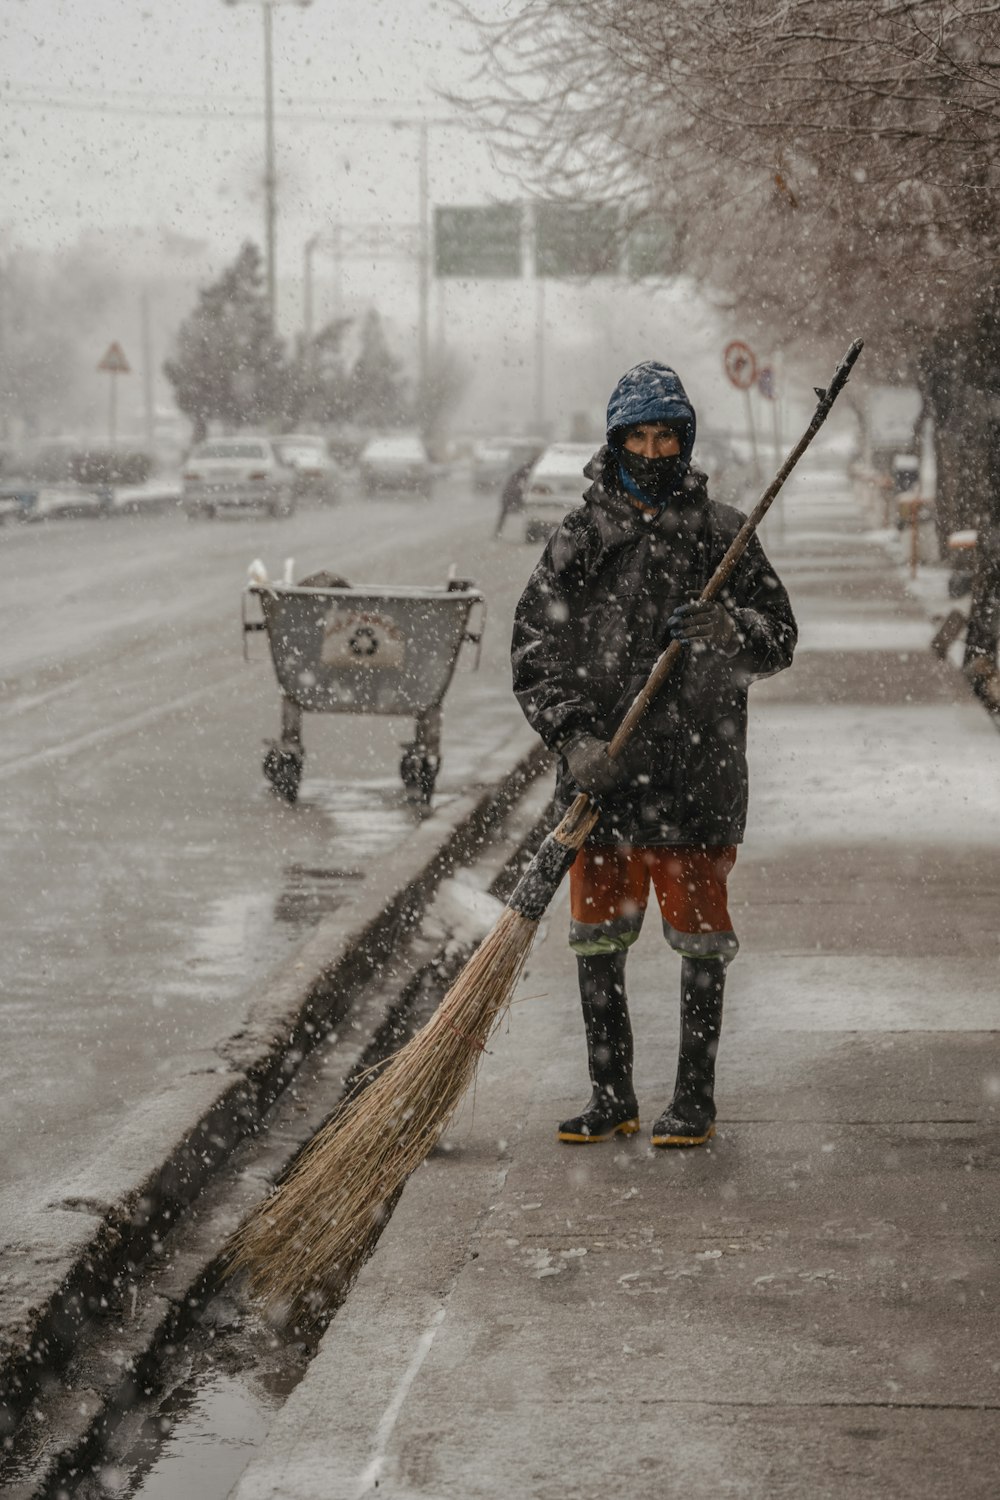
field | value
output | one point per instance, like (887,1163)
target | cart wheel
(284,771)
(419,773)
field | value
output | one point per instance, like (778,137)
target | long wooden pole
(538,884)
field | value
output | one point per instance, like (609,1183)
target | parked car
(67,477)
(555,485)
(396,462)
(52,500)
(495,459)
(25,497)
(76,461)
(239,473)
(315,471)
(17,501)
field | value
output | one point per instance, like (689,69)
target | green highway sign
(576,239)
(651,247)
(478,242)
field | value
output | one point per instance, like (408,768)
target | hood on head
(651,392)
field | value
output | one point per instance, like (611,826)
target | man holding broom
(615,584)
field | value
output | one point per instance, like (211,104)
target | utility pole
(424,262)
(270,169)
(270,173)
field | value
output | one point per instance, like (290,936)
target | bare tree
(832,168)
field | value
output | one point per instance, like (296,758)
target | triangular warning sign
(115,361)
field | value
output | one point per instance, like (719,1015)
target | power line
(336,115)
(166,97)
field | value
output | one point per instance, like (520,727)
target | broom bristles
(302,1246)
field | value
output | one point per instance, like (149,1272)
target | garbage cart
(369,650)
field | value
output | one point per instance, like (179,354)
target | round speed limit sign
(740,364)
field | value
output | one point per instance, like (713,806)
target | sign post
(741,369)
(767,384)
(114,364)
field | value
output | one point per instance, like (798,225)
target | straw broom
(300,1248)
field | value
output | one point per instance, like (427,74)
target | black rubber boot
(613,1109)
(689,1118)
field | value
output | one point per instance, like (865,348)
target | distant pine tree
(229,367)
(377,391)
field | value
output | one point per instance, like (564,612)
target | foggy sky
(120,124)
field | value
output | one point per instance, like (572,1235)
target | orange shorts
(609,891)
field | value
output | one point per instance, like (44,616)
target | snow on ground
(838,775)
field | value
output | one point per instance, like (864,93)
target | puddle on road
(228,923)
(196,1439)
(368,817)
(207,1450)
(312,894)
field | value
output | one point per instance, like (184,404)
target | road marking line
(109,732)
(390,1416)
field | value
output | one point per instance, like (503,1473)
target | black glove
(705,624)
(589,766)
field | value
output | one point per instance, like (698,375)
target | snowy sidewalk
(809,1308)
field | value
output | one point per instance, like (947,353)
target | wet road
(148,878)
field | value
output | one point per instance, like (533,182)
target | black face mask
(658,478)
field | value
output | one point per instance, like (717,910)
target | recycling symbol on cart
(364,641)
(359,639)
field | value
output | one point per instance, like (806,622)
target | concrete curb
(310,993)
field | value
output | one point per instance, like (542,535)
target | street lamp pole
(270,173)
(423,341)
(270,169)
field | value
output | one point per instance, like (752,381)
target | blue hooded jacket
(651,392)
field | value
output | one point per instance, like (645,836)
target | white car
(494,460)
(490,463)
(315,472)
(555,485)
(239,473)
(396,462)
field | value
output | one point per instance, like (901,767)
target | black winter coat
(592,622)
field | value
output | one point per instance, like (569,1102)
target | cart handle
(475,637)
(248,625)
(456,585)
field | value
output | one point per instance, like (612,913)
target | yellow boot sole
(627,1127)
(683,1140)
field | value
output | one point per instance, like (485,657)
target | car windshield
(230,450)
